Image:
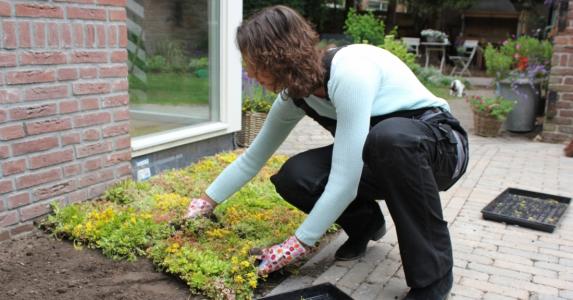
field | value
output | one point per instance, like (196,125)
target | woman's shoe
(355,247)
(439,290)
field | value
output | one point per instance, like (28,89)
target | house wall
(558,125)
(64,117)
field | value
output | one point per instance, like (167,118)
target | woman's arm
(352,89)
(282,118)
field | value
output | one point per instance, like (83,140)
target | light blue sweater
(365,81)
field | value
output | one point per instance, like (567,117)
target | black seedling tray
(528,209)
(325,291)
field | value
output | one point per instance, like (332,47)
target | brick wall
(558,125)
(64,116)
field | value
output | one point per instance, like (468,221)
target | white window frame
(381,5)
(230,16)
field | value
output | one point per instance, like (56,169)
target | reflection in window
(173,64)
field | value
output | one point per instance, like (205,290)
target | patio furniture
(463,61)
(412,44)
(439,47)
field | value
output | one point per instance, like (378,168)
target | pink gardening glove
(198,207)
(278,256)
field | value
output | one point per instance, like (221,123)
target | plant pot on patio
(526,96)
(255,110)
(569,149)
(521,69)
(486,125)
(489,114)
(251,124)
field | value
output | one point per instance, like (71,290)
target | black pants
(407,164)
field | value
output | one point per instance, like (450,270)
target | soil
(38,266)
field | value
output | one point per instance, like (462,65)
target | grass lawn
(171,88)
(440,91)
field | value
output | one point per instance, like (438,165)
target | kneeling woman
(393,140)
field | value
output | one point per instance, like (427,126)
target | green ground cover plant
(145,219)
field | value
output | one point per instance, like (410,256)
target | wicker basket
(486,125)
(251,125)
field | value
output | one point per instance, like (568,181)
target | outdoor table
(435,47)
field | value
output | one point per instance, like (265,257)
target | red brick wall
(64,117)
(558,125)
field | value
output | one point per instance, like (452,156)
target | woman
(393,140)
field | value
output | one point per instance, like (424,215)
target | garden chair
(463,61)
(413,44)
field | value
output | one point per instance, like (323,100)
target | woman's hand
(280,255)
(198,207)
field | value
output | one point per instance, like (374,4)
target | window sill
(176,137)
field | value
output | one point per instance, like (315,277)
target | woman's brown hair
(281,42)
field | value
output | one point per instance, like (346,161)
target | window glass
(173,64)
(378,5)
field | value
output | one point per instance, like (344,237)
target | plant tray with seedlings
(528,209)
(325,291)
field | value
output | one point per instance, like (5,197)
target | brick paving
(491,260)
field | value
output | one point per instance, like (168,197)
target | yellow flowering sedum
(211,255)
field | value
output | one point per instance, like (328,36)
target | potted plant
(489,114)
(520,67)
(432,35)
(256,104)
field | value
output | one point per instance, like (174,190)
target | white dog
(457,88)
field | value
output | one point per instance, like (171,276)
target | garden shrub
(399,49)
(364,28)
(210,254)
(199,66)
(157,64)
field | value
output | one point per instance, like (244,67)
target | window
(336,4)
(378,5)
(181,55)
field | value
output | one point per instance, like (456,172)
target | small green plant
(365,28)
(257,99)
(198,63)
(199,66)
(256,105)
(497,107)
(157,64)
(433,35)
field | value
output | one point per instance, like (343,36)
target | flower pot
(251,124)
(526,96)
(434,39)
(486,125)
(569,149)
